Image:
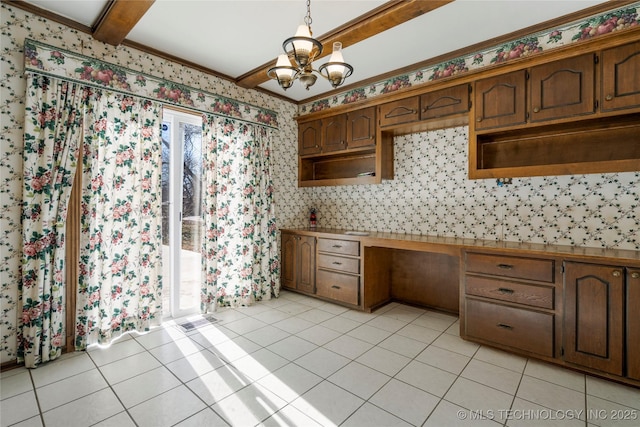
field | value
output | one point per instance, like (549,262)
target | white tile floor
(297,361)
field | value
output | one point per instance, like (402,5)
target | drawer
(338,286)
(341,247)
(348,265)
(541,270)
(513,327)
(521,293)
(401,111)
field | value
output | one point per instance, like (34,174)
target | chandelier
(300,50)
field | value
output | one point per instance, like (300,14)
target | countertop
(454,245)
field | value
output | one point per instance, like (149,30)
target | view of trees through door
(181,211)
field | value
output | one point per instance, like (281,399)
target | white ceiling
(233,37)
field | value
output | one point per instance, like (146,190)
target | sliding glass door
(181,212)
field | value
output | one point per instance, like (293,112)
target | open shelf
(607,144)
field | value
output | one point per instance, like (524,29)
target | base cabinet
(594,316)
(338,272)
(510,301)
(633,324)
(298,262)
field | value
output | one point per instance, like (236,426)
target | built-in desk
(573,306)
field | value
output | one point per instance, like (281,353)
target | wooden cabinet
(338,275)
(327,268)
(620,82)
(633,323)
(298,253)
(445,102)
(344,149)
(594,316)
(334,133)
(361,128)
(564,88)
(310,137)
(404,110)
(510,302)
(430,105)
(558,89)
(354,129)
(563,131)
(500,101)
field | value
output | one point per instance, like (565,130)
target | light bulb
(283,73)
(303,47)
(336,71)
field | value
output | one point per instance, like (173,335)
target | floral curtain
(240,259)
(52,135)
(121,240)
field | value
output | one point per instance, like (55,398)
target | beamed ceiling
(239,40)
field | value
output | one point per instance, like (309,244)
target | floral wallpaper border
(612,21)
(45,59)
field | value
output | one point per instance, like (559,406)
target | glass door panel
(181,203)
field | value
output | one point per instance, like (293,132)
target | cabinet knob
(479,119)
(616,273)
(635,275)
(608,97)
(536,110)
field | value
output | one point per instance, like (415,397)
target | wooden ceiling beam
(376,21)
(118,18)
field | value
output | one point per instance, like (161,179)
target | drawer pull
(505,266)
(337,263)
(506,290)
(635,275)
(616,273)
(335,287)
(336,246)
(504,326)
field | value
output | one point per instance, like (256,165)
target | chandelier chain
(307,19)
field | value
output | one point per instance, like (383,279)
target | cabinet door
(306,264)
(563,88)
(361,128)
(334,133)
(288,248)
(309,134)
(633,324)
(620,82)
(500,101)
(405,110)
(593,318)
(445,102)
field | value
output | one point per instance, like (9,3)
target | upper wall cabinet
(310,137)
(620,77)
(343,149)
(445,102)
(500,101)
(563,88)
(361,128)
(570,116)
(430,105)
(559,89)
